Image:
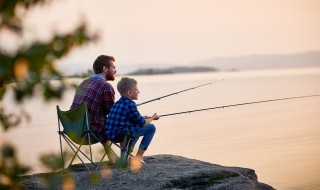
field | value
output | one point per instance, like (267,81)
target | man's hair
(100,62)
(126,84)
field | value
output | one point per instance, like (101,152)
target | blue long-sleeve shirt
(123,114)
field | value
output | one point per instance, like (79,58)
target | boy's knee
(152,128)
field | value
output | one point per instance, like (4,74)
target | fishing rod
(178,92)
(240,104)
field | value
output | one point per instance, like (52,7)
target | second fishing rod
(239,104)
(178,92)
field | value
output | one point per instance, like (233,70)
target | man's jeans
(147,132)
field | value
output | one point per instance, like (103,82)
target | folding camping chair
(76,133)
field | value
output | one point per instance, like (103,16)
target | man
(98,94)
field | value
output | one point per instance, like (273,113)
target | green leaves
(31,67)
(12,12)
(8,119)
(10,168)
(53,161)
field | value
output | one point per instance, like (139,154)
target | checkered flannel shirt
(99,96)
(123,114)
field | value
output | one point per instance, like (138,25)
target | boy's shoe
(135,164)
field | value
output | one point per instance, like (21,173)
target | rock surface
(159,172)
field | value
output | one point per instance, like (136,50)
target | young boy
(124,115)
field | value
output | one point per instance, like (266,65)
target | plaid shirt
(99,96)
(123,114)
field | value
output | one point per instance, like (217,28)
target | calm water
(279,140)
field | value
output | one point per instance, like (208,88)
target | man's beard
(110,77)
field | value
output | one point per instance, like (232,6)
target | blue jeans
(147,132)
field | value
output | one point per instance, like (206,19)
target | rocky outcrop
(159,172)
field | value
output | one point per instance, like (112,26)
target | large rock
(159,172)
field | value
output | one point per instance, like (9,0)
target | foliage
(10,168)
(30,67)
(53,161)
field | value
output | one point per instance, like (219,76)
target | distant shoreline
(240,63)
(172,70)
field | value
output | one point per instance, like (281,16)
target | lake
(280,140)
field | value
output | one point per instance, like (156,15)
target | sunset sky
(180,31)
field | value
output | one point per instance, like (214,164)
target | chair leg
(80,151)
(62,160)
(125,152)
(107,148)
(88,134)
(75,154)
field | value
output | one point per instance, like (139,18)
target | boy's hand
(155,116)
(149,119)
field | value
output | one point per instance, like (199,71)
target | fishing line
(175,93)
(240,104)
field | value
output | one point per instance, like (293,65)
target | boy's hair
(126,84)
(100,62)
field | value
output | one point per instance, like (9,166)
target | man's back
(99,96)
